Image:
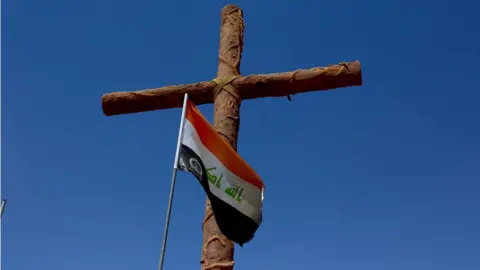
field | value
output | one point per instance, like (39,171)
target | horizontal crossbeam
(250,87)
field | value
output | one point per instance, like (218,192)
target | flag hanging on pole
(232,186)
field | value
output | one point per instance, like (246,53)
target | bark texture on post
(217,250)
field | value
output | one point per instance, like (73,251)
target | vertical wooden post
(217,250)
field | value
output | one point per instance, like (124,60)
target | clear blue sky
(383,176)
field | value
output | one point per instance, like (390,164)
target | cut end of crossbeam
(356,70)
(106,105)
(354,73)
(109,104)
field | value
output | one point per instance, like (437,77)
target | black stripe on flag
(236,226)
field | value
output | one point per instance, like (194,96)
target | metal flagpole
(4,202)
(172,186)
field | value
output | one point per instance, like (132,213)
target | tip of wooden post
(229,8)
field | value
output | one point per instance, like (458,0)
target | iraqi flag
(232,186)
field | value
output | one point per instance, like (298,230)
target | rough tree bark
(218,251)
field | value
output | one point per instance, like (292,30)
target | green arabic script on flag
(232,191)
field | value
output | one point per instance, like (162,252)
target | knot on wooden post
(220,265)
(224,83)
(214,265)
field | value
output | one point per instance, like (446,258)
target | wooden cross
(227,92)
